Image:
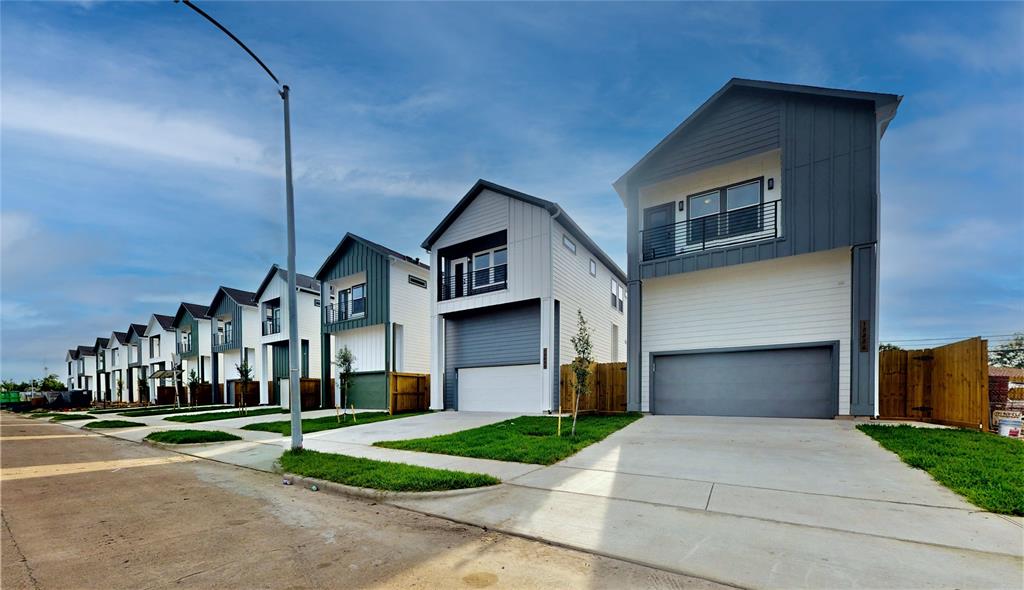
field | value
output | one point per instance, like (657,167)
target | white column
(547,351)
(261,372)
(436,362)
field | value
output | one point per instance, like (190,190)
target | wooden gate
(607,388)
(946,385)
(408,392)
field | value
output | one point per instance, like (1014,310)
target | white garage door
(515,388)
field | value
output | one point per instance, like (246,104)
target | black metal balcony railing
(750,224)
(272,326)
(353,308)
(222,338)
(185,346)
(485,280)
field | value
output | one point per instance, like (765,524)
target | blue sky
(141,159)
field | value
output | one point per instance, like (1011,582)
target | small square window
(569,244)
(593,268)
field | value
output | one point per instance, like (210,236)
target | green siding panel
(280,361)
(187,319)
(368,391)
(358,258)
(227,305)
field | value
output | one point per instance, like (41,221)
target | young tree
(245,378)
(193,386)
(1010,353)
(581,364)
(120,388)
(176,378)
(344,359)
(143,389)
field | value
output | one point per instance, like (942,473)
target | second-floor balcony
(484,280)
(346,310)
(272,325)
(223,337)
(185,346)
(712,232)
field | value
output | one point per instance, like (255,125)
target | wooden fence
(408,392)
(607,388)
(946,385)
(252,395)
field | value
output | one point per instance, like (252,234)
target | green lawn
(63,417)
(112,424)
(188,437)
(284,427)
(161,411)
(193,418)
(986,469)
(526,439)
(379,475)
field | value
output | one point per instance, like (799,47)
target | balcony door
(459,276)
(659,231)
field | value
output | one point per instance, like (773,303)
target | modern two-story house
(159,349)
(378,306)
(510,272)
(117,366)
(752,245)
(193,342)
(81,362)
(135,342)
(272,300)
(99,349)
(235,337)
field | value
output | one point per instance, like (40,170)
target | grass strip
(284,427)
(379,475)
(985,468)
(193,418)
(65,417)
(162,411)
(112,424)
(190,437)
(526,439)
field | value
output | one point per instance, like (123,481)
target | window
(618,295)
(316,302)
(227,332)
(569,244)
(593,268)
(418,281)
(725,211)
(154,346)
(358,295)
(113,357)
(490,268)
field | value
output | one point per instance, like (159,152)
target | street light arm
(232,35)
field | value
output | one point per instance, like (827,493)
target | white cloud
(999,50)
(137,128)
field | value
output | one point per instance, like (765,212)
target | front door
(459,276)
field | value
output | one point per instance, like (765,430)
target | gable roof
(86,350)
(239,296)
(199,312)
(100,343)
(350,237)
(119,337)
(72,354)
(302,282)
(885,106)
(136,330)
(166,321)
(552,208)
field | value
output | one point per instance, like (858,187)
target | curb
(339,489)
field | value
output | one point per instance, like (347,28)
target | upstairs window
(490,267)
(569,244)
(352,301)
(154,346)
(725,211)
(593,267)
(418,281)
(618,296)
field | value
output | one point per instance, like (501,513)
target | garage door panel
(514,388)
(793,382)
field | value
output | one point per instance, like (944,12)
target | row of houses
(752,287)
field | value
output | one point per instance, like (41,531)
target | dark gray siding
(829,175)
(556,373)
(864,330)
(489,337)
(740,125)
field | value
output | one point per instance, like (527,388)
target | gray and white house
(234,337)
(752,244)
(81,368)
(159,349)
(117,367)
(378,306)
(510,272)
(135,343)
(272,300)
(193,342)
(99,349)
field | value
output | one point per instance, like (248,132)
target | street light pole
(294,395)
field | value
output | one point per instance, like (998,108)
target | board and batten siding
(791,300)
(410,308)
(367,345)
(529,245)
(575,288)
(359,258)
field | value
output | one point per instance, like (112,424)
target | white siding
(528,226)
(309,329)
(410,307)
(367,344)
(575,288)
(790,300)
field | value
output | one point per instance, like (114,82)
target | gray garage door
(489,337)
(788,382)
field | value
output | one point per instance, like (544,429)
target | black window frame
(418,281)
(725,221)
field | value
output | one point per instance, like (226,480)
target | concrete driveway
(756,503)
